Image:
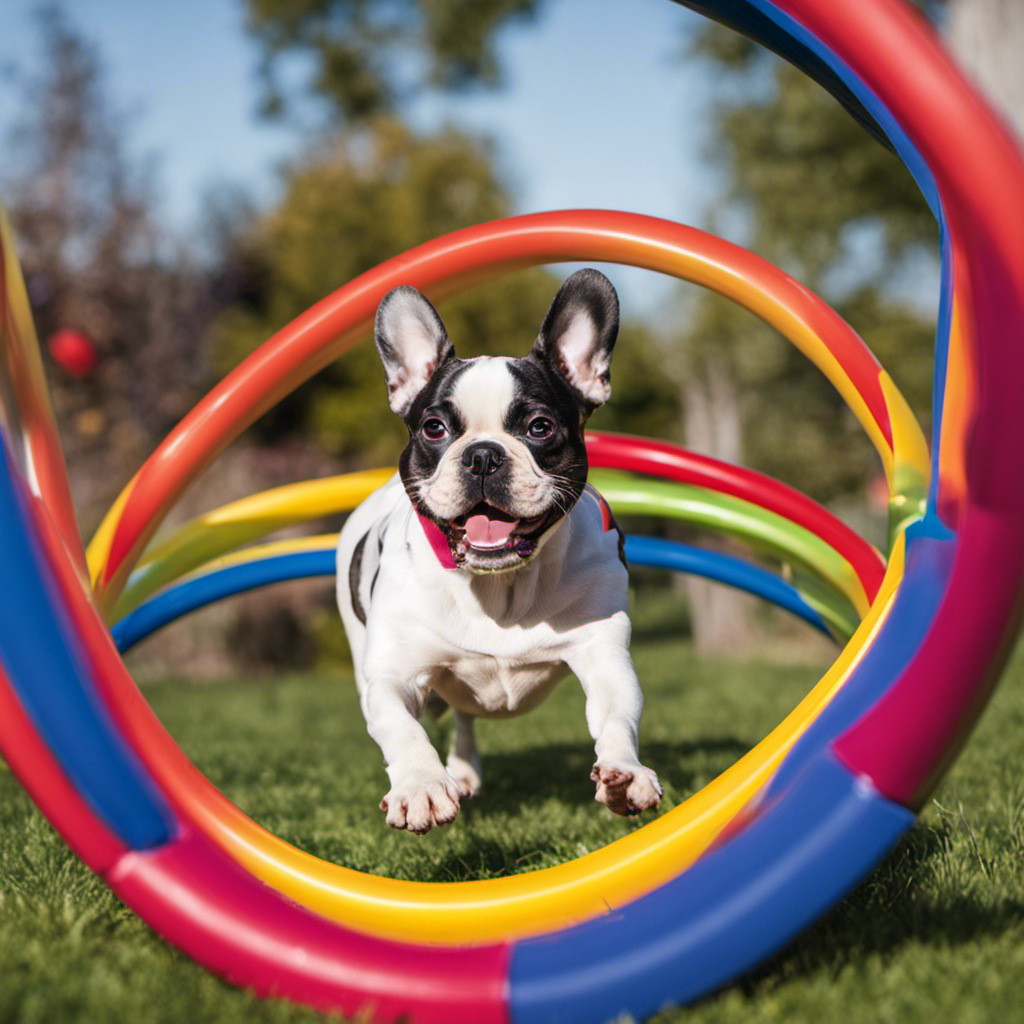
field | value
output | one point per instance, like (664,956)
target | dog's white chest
(494,670)
(493,687)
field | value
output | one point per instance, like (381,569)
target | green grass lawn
(936,934)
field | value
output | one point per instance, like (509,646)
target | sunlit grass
(936,933)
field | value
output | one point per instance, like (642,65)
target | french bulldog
(487,568)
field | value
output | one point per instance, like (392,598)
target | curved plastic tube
(480,911)
(447,266)
(240,522)
(914,677)
(721,513)
(224,529)
(25,401)
(666,461)
(227,528)
(192,594)
(650,552)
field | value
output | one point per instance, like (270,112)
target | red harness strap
(438,541)
(607,519)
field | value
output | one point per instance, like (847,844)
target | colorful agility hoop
(698,896)
(536,903)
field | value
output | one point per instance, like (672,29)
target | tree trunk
(987,37)
(713,426)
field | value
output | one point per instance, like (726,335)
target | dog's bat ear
(412,343)
(578,335)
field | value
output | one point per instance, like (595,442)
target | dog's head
(496,455)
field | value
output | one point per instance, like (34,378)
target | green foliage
(366,55)
(810,172)
(345,210)
(645,399)
(935,933)
(822,198)
(803,168)
(349,208)
(376,191)
(795,426)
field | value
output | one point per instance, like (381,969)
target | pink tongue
(482,532)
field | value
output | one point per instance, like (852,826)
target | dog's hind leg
(463,760)
(435,705)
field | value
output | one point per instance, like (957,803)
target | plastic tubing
(480,911)
(920,671)
(447,266)
(316,559)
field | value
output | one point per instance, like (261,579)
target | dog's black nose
(483,458)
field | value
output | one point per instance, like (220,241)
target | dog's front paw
(466,774)
(419,802)
(626,789)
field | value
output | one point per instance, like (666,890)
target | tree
(371,188)
(367,56)
(354,203)
(349,204)
(819,196)
(95,268)
(822,198)
(825,200)
(987,36)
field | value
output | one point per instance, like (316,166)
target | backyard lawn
(935,934)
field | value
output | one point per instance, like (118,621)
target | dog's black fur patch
(538,392)
(543,386)
(420,457)
(355,572)
(588,292)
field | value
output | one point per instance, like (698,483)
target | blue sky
(599,109)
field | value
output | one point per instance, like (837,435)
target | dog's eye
(434,429)
(540,428)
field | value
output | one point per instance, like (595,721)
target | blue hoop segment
(846,792)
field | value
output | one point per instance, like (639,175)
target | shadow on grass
(891,911)
(562,770)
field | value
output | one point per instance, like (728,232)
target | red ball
(73,351)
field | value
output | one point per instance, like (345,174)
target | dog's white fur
(481,393)
(492,646)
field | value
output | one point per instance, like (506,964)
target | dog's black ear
(578,335)
(412,343)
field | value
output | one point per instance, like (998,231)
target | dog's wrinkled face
(496,455)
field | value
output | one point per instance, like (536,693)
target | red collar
(438,541)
